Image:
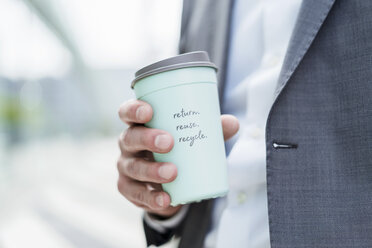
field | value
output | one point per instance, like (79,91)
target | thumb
(230,126)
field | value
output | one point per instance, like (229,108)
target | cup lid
(192,59)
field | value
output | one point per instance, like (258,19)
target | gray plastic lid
(199,58)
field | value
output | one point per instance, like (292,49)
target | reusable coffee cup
(182,91)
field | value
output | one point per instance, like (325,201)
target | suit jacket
(319,129)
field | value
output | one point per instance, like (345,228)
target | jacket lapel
(310,18)
(213,19)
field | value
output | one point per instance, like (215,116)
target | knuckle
(152,202)
(123,109)
(131,167)
(125,137)
(148,171)
(120,110)
(148,136)
(145,171)
(121,164)
(118,164)
(132,108)
(120,185)
(119,140)
(139,196)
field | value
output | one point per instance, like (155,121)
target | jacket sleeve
(159,231)
(156,238)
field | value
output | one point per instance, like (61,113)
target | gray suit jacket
(319,130)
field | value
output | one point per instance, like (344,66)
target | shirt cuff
(162,226)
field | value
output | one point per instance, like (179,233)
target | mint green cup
(182,91)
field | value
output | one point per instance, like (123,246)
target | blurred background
(65,67)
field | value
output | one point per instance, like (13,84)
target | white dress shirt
(260,34)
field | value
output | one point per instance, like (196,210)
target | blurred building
(65,67)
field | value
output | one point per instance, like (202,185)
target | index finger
(135,111)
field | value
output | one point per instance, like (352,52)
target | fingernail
(160,200)
(166,171)
(140,112)
(162,141)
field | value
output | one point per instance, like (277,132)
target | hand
(140,177)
